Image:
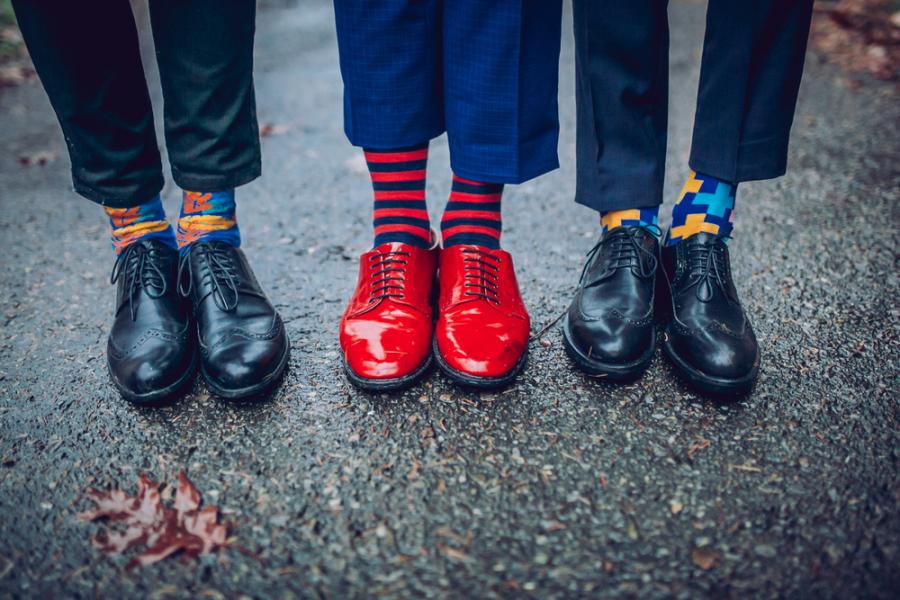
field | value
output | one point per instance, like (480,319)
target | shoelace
(625,252)
(707,267)
(218,271)
(139,265)
(388,275)
(481,275)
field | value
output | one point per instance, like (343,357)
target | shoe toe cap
(493,352)
(151,368)
(242,364)
(375,350)
(612,339)
(717,353)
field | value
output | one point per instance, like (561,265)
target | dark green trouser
(87,56)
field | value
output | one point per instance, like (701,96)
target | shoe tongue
(704,238)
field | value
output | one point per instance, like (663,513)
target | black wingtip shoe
(708,337)
(243,345)
(610,329)
(150,352)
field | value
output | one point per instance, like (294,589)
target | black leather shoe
(708,337)
(150,351)
(610,329)
(243,344)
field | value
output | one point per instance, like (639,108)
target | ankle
(398,181)
(208,216)
(472,216)
(647,218)
(706,204)
(144,221)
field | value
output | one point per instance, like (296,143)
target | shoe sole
(160,396)
(257,388)
(617,373)
(386,385)
(473,381)
(714,386)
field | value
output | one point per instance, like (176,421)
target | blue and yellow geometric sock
(144,221)
(208,216)
(643,217)
(706,204)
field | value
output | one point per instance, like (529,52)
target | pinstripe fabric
(484,71)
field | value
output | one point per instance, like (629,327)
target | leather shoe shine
(609,329)
(481,336)
(708,337)
(150,351)
(243,344)
(386,329)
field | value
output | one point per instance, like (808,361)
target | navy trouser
(484,71)
(752,62)
(88,58)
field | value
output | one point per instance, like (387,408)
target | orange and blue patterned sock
(705,204)
(472,215)
(643,217)
(208,216)
(144,221)
(398,180)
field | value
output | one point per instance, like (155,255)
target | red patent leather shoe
(481,336)
(387,327)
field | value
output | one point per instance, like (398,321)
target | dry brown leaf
(705,558)
(453,553)
(37,158)
(162,530)
(267,129)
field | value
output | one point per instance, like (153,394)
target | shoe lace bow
(218,272)
(625,252)
(139,265)
(481,275)
(388,274)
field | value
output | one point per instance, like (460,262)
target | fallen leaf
(699,444)
(162,530)
(14,75)
(705,558)
(187,497)
(267,129)
(453,553)
(553,525)
(413,471)
(37,158)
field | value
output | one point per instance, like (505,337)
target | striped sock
(144,221)
(644,217)
(208,216)
(398,180)
(472,215)
(705,204)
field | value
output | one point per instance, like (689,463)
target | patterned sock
(643,217)
(398,179)
(472,215)
(706,204)
(144,221)
(208,216)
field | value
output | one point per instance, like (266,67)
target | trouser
(88,59)
(752,62)
(484,71)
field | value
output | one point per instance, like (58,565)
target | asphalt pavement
(560,486)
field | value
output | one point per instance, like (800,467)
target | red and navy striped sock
(472,215)
(398,178)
